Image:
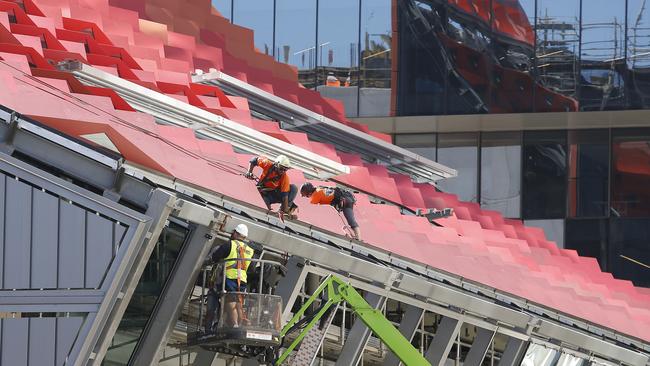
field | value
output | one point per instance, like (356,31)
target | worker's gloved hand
(249,175)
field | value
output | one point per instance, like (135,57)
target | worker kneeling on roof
(236,276)
(274,184)
(341,199)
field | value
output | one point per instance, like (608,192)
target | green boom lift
(336,291)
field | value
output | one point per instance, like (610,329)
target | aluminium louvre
(206,125)
(321,128)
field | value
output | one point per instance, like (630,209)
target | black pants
(348,212)
(275,196)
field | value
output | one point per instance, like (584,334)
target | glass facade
(426,57)
(146,294)
(588,189)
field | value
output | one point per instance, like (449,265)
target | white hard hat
(283,161)
(242,229)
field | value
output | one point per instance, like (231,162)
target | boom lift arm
(336,291)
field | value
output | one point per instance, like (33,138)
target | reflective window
(589,238)
(602,62)
(553,229)
(422,71)
(544,175)
(588,173)
(338,52)
(295,37)
(630,250)
(224,7)
(501,172)
(423,144)
(460,151)
(638,52)
(256,15)
(146,294)
(631,173)
(375,58)
(557,50)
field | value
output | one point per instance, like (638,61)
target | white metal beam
(212,126)
(328,130)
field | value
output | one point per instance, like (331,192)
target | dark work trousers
(275,196)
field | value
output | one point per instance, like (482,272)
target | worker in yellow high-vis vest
(236,277)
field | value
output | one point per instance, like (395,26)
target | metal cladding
(159,53)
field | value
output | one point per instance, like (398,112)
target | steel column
(359,335)
(289,287)
(173,297)
(515,349)
(479,347)
(407,327)
(441,344)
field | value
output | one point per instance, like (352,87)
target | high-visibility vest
(237,269)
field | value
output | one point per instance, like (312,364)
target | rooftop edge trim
(394,157)
(209,125)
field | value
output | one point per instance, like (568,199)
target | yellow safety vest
(237,269)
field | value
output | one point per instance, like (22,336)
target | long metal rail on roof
(321,128)
(207,125)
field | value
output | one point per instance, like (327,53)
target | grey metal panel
(15,333)
(479,348)
(118,235)
(45,229)
(407,328)
(66,333)
(513,353)
(72,235)
(42,339)
(358,336)
(99,248)
(3,179)
(18,222)
(441,344)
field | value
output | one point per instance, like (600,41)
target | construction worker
(341,199)
(274,184)
(236,276)
(332,80)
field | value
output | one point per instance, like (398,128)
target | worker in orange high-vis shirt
(274,184)
(341,199)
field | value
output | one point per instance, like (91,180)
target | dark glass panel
(338,52)
(224,7)
(295,37)
(638,54)
(602,62)
(146,294)
(376,58)
(631,173)
(501,172)
(544,175)
(589,237)
(420,143)
(630,250)
(256,15)
(588,173)
(557,52)
(460,151)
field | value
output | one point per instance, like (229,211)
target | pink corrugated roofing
(126,38)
